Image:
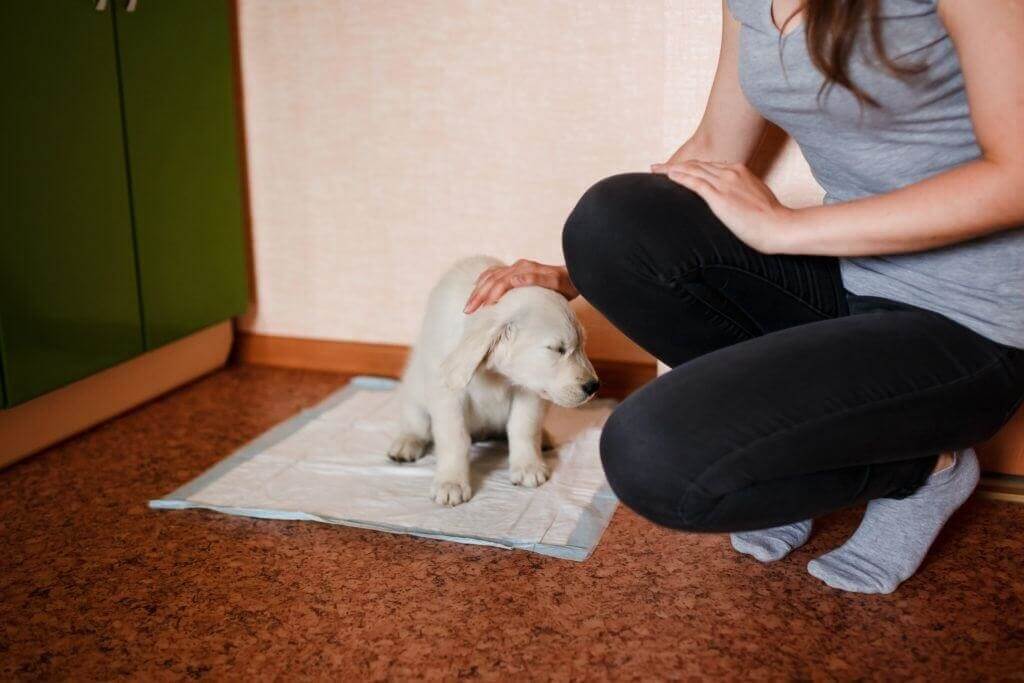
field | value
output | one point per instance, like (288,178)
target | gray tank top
(922,128)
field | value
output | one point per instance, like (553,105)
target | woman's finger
(486,272)
(699,185)
(483,282)
(701,168)
(475,297)
(490,274)
(495,291)
(731,171)
(695,175)
(512,280)
(472,300)
(472,303)
(493,282)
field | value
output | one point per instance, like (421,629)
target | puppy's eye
(560,349)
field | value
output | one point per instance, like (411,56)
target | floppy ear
(479,336)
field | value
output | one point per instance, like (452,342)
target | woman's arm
(731,128)
(978,198)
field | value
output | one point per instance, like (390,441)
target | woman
(823,356)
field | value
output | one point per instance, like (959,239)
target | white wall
(386,138)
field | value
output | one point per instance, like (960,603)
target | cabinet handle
(101,5)
(131,5)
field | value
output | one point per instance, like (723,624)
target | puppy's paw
(450,493)
(407,448)
(529,475)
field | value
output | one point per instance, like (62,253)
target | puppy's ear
(482,332)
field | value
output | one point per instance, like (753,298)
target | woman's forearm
(978,198)
(969,201)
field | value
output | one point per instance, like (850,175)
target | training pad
(329,464)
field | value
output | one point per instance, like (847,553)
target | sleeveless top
(922,128)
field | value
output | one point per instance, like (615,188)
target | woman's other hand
(739,198)
(496,280)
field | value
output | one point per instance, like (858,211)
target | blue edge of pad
(592,523)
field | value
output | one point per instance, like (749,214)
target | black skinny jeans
(789,397)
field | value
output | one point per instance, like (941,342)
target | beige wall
(386,138)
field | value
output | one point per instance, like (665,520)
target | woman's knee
(641,225)
(592,237)
(614,220)
(655,473)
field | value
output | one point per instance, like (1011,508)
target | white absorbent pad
(329,464)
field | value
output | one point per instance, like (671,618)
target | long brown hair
(831,28)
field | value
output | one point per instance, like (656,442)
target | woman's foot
(769,545)
(895,535)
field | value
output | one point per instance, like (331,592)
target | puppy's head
(532,338)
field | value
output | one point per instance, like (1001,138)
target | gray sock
(895,535)
(768,545)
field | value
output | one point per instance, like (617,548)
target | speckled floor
(93,585)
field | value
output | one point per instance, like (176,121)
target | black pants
(789,397)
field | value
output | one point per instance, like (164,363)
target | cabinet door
(178,85)
(68,294)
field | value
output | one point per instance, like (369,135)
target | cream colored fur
(488,374)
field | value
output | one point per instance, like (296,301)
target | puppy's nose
(591,387)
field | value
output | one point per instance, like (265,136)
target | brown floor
(95,585)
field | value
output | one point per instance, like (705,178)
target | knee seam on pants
(680,283)
(782,290)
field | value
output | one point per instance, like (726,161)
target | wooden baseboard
(618,378)
(1005,487)
(53,417)
(349,358)
(1004,452)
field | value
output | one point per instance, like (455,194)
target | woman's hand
(496,280)
(740,199)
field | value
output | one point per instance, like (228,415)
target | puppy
(488,374)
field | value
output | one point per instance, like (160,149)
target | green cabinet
(178,85)
(120,193)
(68,294)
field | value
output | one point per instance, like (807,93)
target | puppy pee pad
(329,464)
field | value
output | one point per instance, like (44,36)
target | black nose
(591,387)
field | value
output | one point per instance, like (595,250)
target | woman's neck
(784,15)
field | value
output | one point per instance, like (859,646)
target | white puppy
(488,374)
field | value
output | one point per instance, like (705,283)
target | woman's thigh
(653,258)
(808,419)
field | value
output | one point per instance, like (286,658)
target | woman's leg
(771,429)
(800,422)
(807,420)
(653,258)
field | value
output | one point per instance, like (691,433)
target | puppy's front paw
(450,493)
(529,475)
(407,448)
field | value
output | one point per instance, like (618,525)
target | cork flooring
(93,585)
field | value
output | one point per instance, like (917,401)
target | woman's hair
(831,28)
